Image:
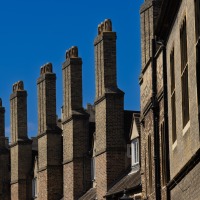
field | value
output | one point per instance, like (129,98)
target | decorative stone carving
(72,52)
(105,26)
(47,68)
(18,86)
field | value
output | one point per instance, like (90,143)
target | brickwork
(72,82)
(46,99)
(4,159)
(2,126)
(110,143)
(148,16)
(146,88)
(42,183)
(147,131)
(18,114)
(75,129)
(152,117)
(20,144)
(101,176)
(49,137)
(68,180)
(4,176)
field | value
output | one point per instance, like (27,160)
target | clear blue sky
(34,32)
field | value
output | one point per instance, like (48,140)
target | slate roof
(89,195)
(128,182)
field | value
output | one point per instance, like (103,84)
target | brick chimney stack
(18,101)
(21,155)
(4,159)
(109,111)
(49,138)
(2,125)
(75,129)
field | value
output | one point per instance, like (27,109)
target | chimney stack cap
(18,86)
(72,52)
(47,68)
(105,26)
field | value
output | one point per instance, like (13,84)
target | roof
(89,195)
(128,182)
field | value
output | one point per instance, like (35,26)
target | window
(173,97)
(93,168)
(163,152)
(184,73)
(135,152)
(150,163)
(34,187)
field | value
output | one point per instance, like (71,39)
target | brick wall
(76,163)
(50,175)
(21,156)
(109,112)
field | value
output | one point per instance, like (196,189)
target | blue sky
(33,33)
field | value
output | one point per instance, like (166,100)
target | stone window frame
(135,152)
(173,95)
(184,76)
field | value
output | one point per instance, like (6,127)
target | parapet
(47,68)
(72,52)
(105,26)
(18,86)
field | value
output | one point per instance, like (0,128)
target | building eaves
(89,195)
(130,181)
(169,10)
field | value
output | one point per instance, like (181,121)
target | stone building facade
(88,154)
(170,99)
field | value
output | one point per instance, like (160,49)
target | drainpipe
(155,110)
(165,96)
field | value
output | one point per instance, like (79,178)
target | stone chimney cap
(105,26)
(72,52)
(18,86)
(47,68)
